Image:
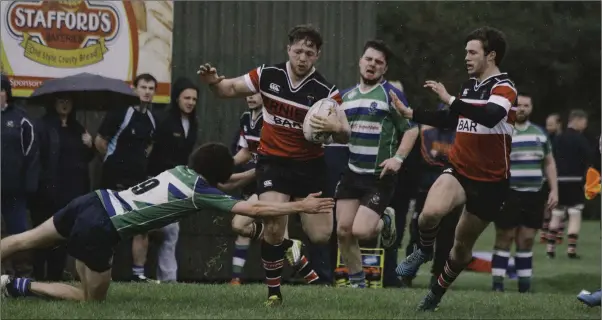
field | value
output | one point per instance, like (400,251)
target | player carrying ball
(288,166)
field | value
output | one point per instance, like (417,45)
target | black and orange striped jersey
(285,107)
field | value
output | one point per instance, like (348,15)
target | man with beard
(530,160)
(477,178)
(288,166)
(367,185)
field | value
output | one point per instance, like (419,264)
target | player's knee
(320,236)
(363,232)
(504,238)
(237,226)
(344,232)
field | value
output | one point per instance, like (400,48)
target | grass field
(556,284)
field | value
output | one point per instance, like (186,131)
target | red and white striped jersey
(482,153)
(285,107)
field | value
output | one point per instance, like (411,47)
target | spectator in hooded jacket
(65,152)
(20,168)
(175,139)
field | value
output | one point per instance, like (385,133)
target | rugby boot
(388,234)
(410,265)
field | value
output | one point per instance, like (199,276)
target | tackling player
(367,185)
(477,178)
(288,167)
(92,225)
(531,160)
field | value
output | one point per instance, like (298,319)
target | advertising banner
(42,40)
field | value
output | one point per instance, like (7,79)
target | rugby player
(367,185)
(249,228)
(288,166)
(522,215)
(93,224)
(477,177)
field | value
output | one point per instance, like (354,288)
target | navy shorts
(91,237)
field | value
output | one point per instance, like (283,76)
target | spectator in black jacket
(20,168)
(175,139)
(65,152)
(573,155)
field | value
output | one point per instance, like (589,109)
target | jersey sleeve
(110,124)
(504,95)
(252,79)
(208,197)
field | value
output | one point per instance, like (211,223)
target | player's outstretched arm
(311,205)
(243,156)
(222,87)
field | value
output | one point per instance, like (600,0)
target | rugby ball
(325,107)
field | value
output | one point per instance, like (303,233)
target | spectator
(573,155)
(65,151)
(125,139)
(553,125)
(175,139)
(20,169)
(553,128)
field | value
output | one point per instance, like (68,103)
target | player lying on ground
(93,224)
(477,178)
(368,183)
(531,160)
(289,166)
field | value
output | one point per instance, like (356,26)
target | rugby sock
(499,264)
(138,270)
(21,287)
(304,269)
(358,279)
(551,248)
(272,257)
(543,237)
(239,259)
(524,269)
(572,245)
(257,230)
(560,232)
(450,272)
(427,238)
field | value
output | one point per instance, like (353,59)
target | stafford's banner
(53,39)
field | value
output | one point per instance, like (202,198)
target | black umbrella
(86,91)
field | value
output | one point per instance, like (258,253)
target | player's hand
(325,124)
(208,74)
(400,106)
(87,139)
(390,166)
(552,200)
(314,205)
(439,89)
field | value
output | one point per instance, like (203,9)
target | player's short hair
(213,161)
(146,77)
(381,46)
(557,116)
(305,32)
(577,114)
(492,40)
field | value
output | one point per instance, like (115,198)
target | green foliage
(554,48)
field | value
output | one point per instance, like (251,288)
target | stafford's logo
(63,34)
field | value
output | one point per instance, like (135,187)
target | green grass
(556,284)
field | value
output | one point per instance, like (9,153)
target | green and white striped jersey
(530,146)
(162,200)
(376,127)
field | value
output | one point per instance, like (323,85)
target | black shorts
(91,237)
(372,191)
(291,177)
(571,194)
(522,209)
(484,199)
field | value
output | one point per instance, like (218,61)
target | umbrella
(86,91)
